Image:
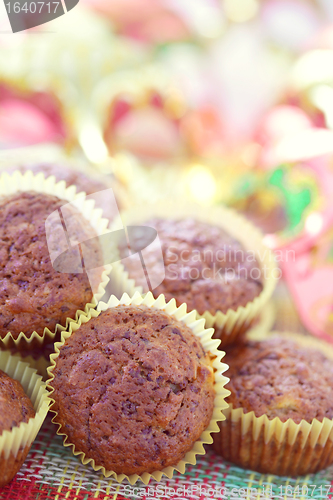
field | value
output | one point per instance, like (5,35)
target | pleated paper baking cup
(273,446)
(264,323)
(15,444)
(98,278)
(209,344)
(228,326)
(73,170)
(39,362)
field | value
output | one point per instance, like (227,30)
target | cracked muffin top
(15,406)
(204,266)
(280,378)
(133,389)
(33,295)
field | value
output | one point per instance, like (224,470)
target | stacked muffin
(137,383)
(213,260)
(38,219)
(149,374)
(280,414)
(24,403)
(132,388)
(137,387)
(33,295)
(16,408)
(86,181)
(204,266)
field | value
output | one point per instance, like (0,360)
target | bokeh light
(202,185)
(240,11)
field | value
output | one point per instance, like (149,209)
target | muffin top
(280,378)
(204,266)
(82,181)
(15,406)
(134,389)
(32,294)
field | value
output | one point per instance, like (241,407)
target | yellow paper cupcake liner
(228,326)
(15,444)
(107,173)
(17,182)
(273,446)
(39,364)
(265,321)
(210,345)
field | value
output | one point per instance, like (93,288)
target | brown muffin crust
(32,294)
(82,181)
(280,378)
(9,466)
(134,389)
(15,406)
(204,266)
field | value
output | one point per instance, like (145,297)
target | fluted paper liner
(273,446)
(15,444)
(210,345)
(9,185)
(228,326)
(55,154)
(265,321)
(39,364)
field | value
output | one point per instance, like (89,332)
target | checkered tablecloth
(51,472)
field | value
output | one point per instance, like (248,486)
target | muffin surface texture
(15,406)
(279,378)
(204,266)
(33,295)
(133,389)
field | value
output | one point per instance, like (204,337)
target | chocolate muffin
(82,181)
(133,389)
(15,408)
(204,266)
(280,378)
(33,295)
